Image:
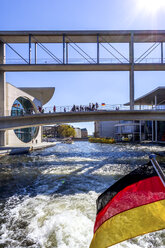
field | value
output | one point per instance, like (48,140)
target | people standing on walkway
(54,108)
(77,108)
(73,108)
(39,109)
(90,107)
(81,108)
(93,106)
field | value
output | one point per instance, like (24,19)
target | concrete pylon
(131,73)
(2,92)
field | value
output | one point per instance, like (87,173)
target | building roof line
(43,94)
(148,98)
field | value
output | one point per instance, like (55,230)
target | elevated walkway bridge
(29,58)
(15,122)
(74,40)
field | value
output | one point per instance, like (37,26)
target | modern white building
(78,132)
(153,130)
(23,101)
(105,129)
(84,133)
(137,130)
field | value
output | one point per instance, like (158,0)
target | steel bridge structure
(75,39)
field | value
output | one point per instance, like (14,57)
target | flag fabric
(103,104)
(133,206)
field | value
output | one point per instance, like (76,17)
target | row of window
(20,107)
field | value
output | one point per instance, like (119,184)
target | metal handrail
(84,61)
(79,108)
(157,168)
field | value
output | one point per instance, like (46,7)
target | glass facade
(22,106)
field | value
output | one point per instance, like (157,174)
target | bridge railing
(80,108)
(106,107)
(84,61)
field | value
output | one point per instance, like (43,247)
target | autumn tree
(66,131)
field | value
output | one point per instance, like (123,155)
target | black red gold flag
(133,206)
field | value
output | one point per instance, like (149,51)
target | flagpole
(157,167)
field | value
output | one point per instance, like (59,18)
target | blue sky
(84,87)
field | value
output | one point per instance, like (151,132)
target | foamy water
(47,198)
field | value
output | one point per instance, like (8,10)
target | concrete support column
(2,105)
(63,49)
(162,52)
(30,48)
(41,133)
(2,53)
(98,52)
(155,101)
(152,131)
(140,127)
(2,138)
(35,53)
(156,131)
(156,123)
(2,92)
(66,53)
(131,73)
(2,82)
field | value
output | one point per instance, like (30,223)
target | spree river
(47,198)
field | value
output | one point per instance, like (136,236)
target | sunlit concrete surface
(14,122)
(81,67)
(80,36)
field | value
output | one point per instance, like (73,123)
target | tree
(66,131)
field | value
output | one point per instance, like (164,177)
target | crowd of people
(75,108)
(90,107)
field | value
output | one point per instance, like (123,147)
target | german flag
(133,206)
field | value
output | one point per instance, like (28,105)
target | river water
(47,198)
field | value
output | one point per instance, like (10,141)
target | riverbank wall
(23,150)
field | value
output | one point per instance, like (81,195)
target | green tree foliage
(66,131)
